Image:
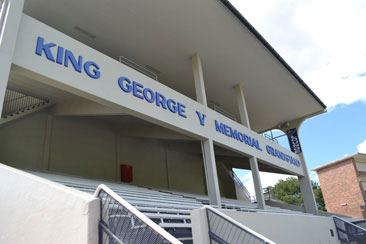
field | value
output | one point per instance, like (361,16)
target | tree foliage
(288,191)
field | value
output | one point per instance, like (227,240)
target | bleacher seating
(169,209)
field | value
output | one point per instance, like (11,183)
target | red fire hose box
(126,173)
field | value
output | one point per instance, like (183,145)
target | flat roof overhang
(165,34)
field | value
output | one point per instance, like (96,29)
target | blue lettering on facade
(64,56)
(239,136)
(201,117)
(144,93)
(281,155)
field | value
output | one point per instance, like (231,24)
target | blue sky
(321,40)
(330,136)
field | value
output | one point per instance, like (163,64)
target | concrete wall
(89,147)
(289,229)
(226,183)
(341,189)
(280,228)
(31,208)
(22,141)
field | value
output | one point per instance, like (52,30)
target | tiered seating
(169,209)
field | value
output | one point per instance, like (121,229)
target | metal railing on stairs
(121,223)
(16,102)
(349,233)
(240,183)
(224,230)
(236,179)
(3,9)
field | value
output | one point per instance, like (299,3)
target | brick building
(343,183)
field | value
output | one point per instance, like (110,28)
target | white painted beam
(83,108)
(240,98)
(198,79)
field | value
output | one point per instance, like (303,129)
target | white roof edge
(354,155)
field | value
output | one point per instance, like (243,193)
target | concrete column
(307,189)
(211,172)
(198,79)
(207,145)
(244,119)
(304,181)
(257,183)
(8,37)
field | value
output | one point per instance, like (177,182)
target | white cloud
(314,176)
(324,41)
(267,179)
(362,147)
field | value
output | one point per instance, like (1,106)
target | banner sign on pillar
(294,141)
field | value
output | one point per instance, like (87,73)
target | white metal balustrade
(225,230)
(121,223)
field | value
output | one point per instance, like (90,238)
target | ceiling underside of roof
(165,34)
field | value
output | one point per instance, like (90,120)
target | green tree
(288,191)
(319,198)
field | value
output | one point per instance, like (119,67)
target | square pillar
(211,173)
(207,144)
(9,25)
(257,183)
(304,181)
(244,119)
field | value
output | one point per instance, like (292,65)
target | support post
(304,181)
(307,189)
(244,119)
(207,145)
(198,79)
(9,26)
(211,173)
(257,183)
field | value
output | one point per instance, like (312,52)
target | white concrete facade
(279,228)
(32,210)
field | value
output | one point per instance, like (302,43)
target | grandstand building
(158,101)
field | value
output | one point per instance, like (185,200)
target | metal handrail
(16,102)
(236,179)
(123,223)
(3,9)
(217,234)
(360,223)
(349,232)
(138,67)
(240,183)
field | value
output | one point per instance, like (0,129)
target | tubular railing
(138,67)
(235,178)
(15,102)
(361,223)
(3,9)
(121,223)
(240,183)
(224,230)
(349,233)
